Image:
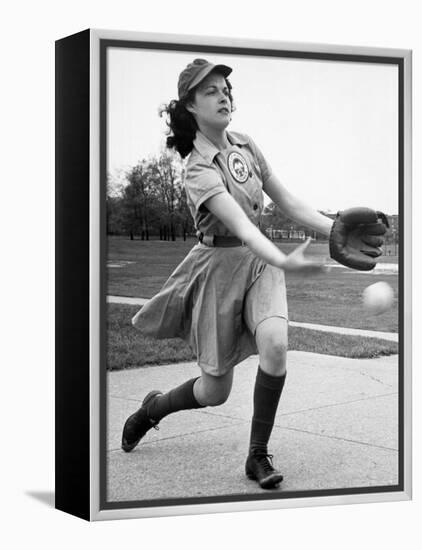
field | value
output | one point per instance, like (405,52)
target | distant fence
(285,234)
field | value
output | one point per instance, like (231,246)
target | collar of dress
(208,150)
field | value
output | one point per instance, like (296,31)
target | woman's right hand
(296,262)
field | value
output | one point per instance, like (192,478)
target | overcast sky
(328,129)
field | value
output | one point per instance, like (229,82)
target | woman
(227,299)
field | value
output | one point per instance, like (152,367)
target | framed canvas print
(233,280)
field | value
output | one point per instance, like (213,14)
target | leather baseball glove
(356,237)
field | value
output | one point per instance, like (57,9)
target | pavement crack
(375,379)
(338,404)
(222,415)
(356,442)
(290,413)
(181,435)
(125,398)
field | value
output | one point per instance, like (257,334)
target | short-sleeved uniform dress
(217,296)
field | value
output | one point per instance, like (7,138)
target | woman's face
(212,106)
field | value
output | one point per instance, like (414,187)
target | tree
(140,199)
(114,216)
(166,172)
(114,206)
(150,200)
(184,215)
(274,218)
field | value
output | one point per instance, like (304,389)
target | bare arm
(295,208)
(228,211)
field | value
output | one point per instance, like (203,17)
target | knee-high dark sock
(266,397)
(177,399)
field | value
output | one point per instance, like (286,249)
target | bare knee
(272,343)
(213,400)
(272,347)
(274,364)
(275,350)
(212,391)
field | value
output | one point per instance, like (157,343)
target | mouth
(224,110)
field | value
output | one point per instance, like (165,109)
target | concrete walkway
(336,427)
(392,336)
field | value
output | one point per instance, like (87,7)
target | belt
(220,241)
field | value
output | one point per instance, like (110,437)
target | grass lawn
(332,299)
(128,348)
(336,299)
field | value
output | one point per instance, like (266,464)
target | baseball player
(227,298)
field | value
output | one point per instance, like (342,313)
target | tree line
(151,200)
(273,220)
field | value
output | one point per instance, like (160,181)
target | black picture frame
(81,284)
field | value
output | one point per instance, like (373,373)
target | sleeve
(263,165)
(202,182)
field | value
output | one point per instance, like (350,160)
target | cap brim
(223,69)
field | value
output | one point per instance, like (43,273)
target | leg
(204,391)
(195,393)
(271,339)
(213,390)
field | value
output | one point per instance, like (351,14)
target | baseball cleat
(259,467)
(138,424)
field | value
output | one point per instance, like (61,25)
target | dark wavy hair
(182,124)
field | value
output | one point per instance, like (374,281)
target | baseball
(378,298)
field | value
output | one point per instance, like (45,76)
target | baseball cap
(195,72)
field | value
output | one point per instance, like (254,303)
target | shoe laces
(154,423)
(266,460)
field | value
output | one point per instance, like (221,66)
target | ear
(189,107)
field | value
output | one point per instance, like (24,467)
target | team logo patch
(238,167)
